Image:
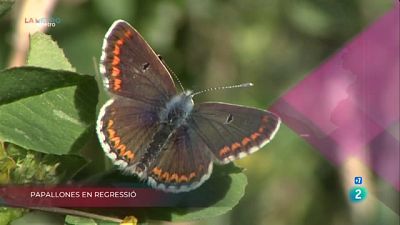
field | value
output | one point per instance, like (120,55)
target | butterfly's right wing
(131,69)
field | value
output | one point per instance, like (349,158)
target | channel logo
(358,193)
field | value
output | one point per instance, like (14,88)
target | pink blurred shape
(345,107)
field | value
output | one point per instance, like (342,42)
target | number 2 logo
(358,194)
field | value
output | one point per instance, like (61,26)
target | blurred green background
(272,43)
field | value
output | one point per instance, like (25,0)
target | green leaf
(38,217)
(44,52)
(102,222)
(217,196)
(76,220)
(8,214)
(5,5)
(22,82)
(47,110)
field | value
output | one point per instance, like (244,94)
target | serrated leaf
(44,52)
(49,114)
(5,5)
(76,220)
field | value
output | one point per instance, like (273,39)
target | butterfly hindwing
(130,68)
(125,128)
(183,165)
(233,131)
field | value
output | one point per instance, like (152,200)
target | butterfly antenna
(244,85)
(171,72)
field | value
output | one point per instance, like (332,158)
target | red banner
(83,197)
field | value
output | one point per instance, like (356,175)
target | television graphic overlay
(134,112)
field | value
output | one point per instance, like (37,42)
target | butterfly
(149,129)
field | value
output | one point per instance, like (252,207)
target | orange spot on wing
(173,177)
(255,136)
(115,71)
(122,149)
(183,178)
(165,176)
(224,151)
(192,175)
(128,34)
(235,146)
(116,141)
(115,61)
(157,171)
(117,81)
(120,42)
(245,141)
(116,50)
(129,154)
(110,123)
(111,133)
(261,130)
(117,84)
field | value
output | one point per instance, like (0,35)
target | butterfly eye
(145,66)
(229,119)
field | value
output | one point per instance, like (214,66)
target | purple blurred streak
(345,106)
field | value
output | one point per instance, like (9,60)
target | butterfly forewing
(232,131)
(130,68)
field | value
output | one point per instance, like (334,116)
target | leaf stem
(77,213)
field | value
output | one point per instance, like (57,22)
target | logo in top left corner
(44,21)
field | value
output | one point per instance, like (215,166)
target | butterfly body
(173,115)
(149,129)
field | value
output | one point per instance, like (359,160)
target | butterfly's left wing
(233,131)
(183,165)
(126,128)
(140,85)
